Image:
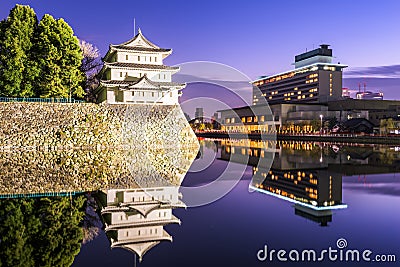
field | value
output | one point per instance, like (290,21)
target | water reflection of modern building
(308,174)
(134,219)
(305,181)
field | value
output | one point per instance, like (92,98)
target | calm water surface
(288,196)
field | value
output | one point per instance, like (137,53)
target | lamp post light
(321,117)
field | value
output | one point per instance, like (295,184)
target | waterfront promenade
(333,138)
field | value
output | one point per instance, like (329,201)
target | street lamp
(321,117)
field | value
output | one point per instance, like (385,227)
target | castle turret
(134,72)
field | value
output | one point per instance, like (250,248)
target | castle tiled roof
(114,82)
(142,49)
(139,66)
(132,81)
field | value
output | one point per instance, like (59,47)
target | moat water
(290,196)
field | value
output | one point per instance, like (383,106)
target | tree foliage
(41,59)
(59,57)
(18,70)
(40,231)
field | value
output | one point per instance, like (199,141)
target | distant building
(315,79)
(187,116)
(358,125)
(305,117)
(199,115)
(133,72)
(369,95)
(215,116)
(345,93)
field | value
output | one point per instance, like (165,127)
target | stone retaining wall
(55,147)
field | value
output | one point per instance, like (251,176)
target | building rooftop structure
(319,55)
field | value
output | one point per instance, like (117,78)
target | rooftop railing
(40,100)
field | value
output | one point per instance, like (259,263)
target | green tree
(18,69)
(59,57)
(40,231)
(316,125)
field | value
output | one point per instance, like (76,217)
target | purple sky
(257,38)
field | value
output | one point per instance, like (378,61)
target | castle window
(120,74)
(170,94)
(126,57)
(138,58)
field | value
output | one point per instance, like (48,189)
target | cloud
(384,79)
(380,189)
(229,84)
(391,71)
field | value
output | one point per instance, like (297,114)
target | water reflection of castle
(134,219)
(307,174)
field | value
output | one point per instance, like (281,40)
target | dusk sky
(255,37)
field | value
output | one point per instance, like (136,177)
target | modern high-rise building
(199,114)
(315,79)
